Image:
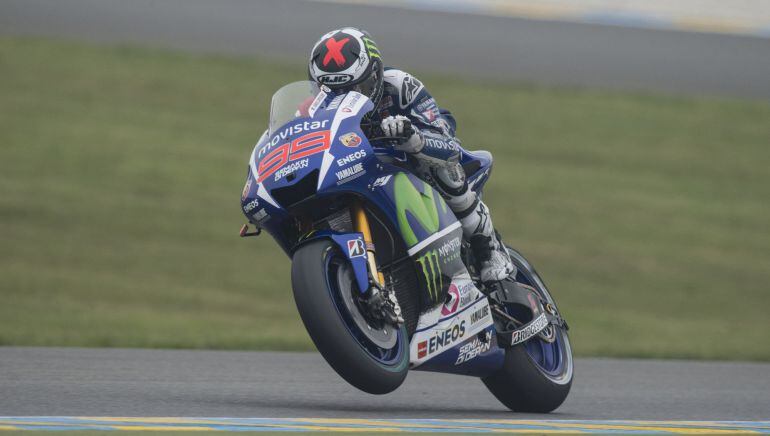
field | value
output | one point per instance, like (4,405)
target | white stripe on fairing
(424,243)
(263,194)
(253,162)
(340,116)
(261,191)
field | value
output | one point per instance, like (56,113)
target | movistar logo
(420,205)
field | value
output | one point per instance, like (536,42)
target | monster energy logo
(371,48)
(432,272)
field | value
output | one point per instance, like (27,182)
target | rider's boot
(491,255)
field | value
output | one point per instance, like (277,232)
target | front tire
(536,376)
(321,279)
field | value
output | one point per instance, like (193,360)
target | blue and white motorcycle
(381,276)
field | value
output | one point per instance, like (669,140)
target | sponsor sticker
(480,314)
(350,140)
(290,168)
(246,189)
(292,130)
(459,297)
(422,349)
(431,114)
(382,181)
(352,157)
(371,48)
(442,124)
(426,103)
(260,215)
(530,330)
(431,270)
(438,144)
(317,102)
(356,248)
(347,174)
(474,348)
(409,90)
(441,340)
(253,204)
(335,103)
(351,101)
(450,250)
(335,79)
(450,306)
(301,147)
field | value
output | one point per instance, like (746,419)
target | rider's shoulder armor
(406,95)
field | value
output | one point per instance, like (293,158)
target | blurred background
(631,142)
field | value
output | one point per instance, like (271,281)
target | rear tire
(522,387)
(523,384)
(316,269)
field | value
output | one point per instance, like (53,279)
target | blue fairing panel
(328,148)
(351,245)
(478,167)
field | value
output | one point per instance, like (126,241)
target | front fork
(361,225)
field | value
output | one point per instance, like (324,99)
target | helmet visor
(369,86)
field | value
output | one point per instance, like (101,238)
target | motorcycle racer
(347,59)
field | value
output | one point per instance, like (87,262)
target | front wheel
(536,375)
(373,358)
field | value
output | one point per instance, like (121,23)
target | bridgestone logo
(530,330)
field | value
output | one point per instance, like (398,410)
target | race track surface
(162,383)
(541,52)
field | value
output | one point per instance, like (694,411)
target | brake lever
(245,231)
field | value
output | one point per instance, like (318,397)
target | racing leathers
(426,132)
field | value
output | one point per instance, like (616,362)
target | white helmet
(347,59)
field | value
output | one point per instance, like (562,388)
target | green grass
(121,170)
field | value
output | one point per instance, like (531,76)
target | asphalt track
(542,52)
(163,383)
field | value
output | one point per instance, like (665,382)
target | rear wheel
(370,356)
(537,375)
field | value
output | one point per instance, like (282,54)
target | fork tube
(361,224)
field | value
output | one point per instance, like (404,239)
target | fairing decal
(459,335)
(353,247)
(450,332)
(350,106)
(434,237)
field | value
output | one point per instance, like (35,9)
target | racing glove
(408,138)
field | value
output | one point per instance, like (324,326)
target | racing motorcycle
(382,278)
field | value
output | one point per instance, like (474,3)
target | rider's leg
(448,177)
(491,255)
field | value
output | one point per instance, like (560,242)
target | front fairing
(325,154)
